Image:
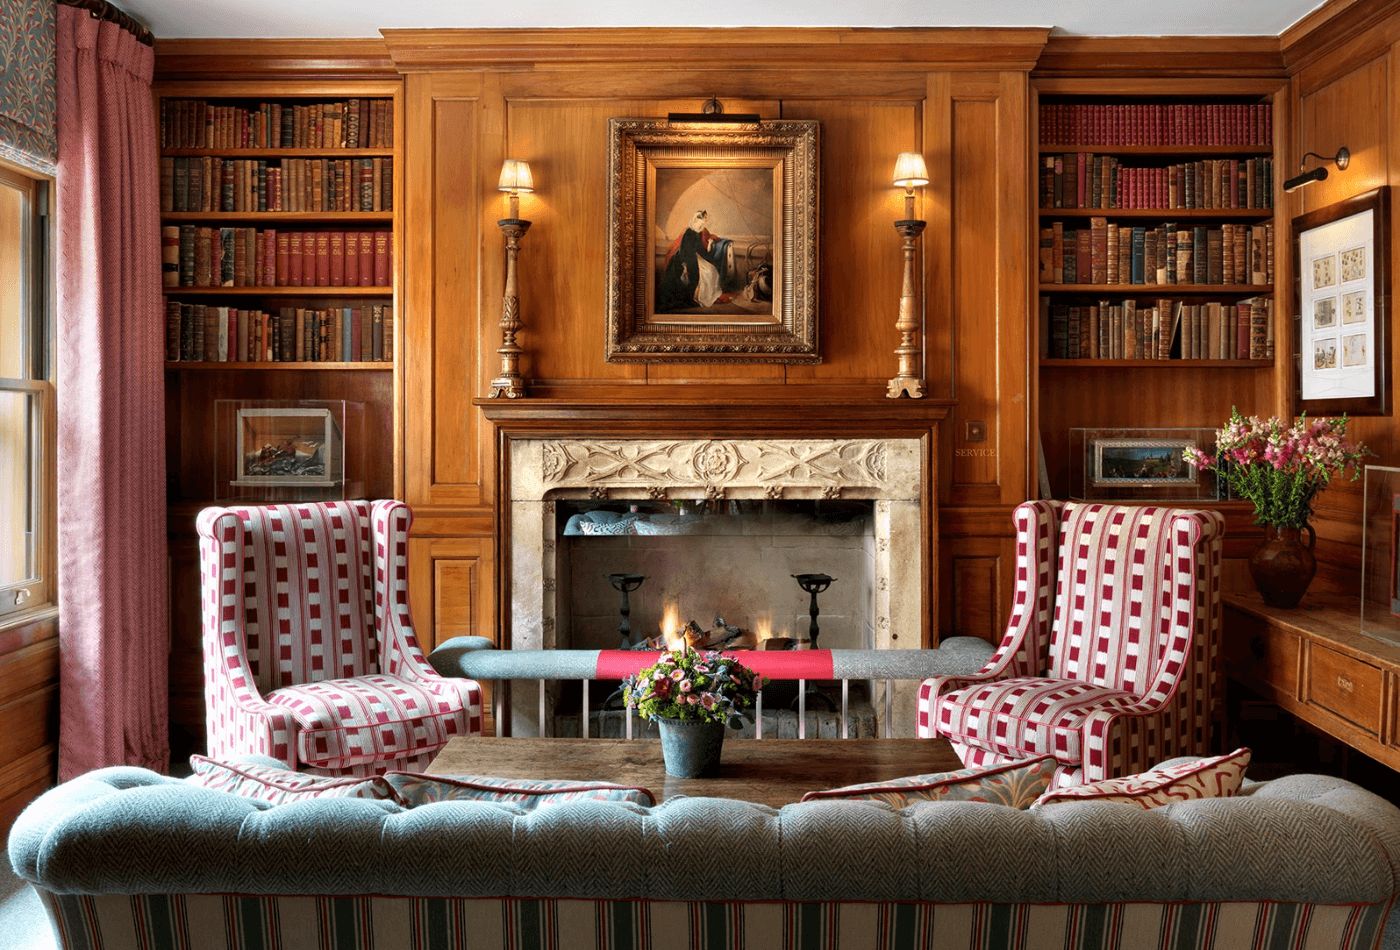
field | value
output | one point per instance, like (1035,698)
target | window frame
(40,590)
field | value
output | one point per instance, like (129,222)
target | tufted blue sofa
(124,858)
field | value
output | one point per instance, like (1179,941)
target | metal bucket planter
(691,748)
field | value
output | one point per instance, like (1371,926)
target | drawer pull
(1345,684)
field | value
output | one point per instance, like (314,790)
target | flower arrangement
(694,685)
(1280,467)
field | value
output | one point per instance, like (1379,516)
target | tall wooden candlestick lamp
(515,178)
(909,173)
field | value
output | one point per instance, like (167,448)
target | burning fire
(671,624)
(762,627)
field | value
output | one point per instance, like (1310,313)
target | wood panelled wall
(1345,87)
(28,711)
(474,99)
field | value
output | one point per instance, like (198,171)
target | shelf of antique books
(280,291)
(1165,290)
(1163,363)
(278,152)
(213,217)
(1208,151)
(373,366)
(1163,214)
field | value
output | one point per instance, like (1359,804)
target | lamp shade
(910,170)
(515,176)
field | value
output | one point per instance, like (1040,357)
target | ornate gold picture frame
(712,241)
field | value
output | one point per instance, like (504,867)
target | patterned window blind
(27,84)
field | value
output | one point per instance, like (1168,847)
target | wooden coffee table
(772,772)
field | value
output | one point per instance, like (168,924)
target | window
(26,397)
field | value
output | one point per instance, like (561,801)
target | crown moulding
(1235,57)
(272,59)
(719,49)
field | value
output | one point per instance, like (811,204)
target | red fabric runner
(773,664)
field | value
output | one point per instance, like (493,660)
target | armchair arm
(400,654)
(238,718)
(1025,646)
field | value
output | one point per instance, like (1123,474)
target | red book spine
(381,259)
(323,259)
(366,251)
(352,259)
(282,270)
(337,258)
(295,254)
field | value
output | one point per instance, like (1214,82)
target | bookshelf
(287,329)
(1160,173)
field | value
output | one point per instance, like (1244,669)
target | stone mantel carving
(732,463)
(740,468)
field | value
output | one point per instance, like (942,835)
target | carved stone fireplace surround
(789,447)
(885,451)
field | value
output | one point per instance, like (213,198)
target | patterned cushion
(1025,715)
(346,722)
(1219,777)
(1016,784)
(529,794)
(281,785)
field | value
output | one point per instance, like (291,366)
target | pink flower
(686,685)
(692,699)
(678,675)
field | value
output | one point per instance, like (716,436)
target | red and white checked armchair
(1110,659)
(309,652)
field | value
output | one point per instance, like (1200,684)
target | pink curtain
(114,637)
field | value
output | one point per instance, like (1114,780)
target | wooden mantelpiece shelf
(1315,662)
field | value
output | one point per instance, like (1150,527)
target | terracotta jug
(1283,566)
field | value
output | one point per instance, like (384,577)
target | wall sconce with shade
(910,172)
(515,179)
(1342,159)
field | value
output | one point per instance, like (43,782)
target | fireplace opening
(722,570)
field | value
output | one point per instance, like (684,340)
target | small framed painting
(712,241)
(1141,463)
(1341,359)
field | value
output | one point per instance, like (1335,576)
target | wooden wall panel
(861,263)
(446,155)
(975,591)
(1357,106)
(29,714)
(971,123)
(451,588)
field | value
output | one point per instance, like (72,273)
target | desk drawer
(1345,686)
(1262,654)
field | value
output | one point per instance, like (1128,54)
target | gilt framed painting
(712,241)
(1341,356)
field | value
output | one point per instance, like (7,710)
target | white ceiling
(328,18)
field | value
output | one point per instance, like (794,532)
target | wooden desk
(1315,662)
(772,772)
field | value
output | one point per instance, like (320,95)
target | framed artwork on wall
(1342,344)
(712,241)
